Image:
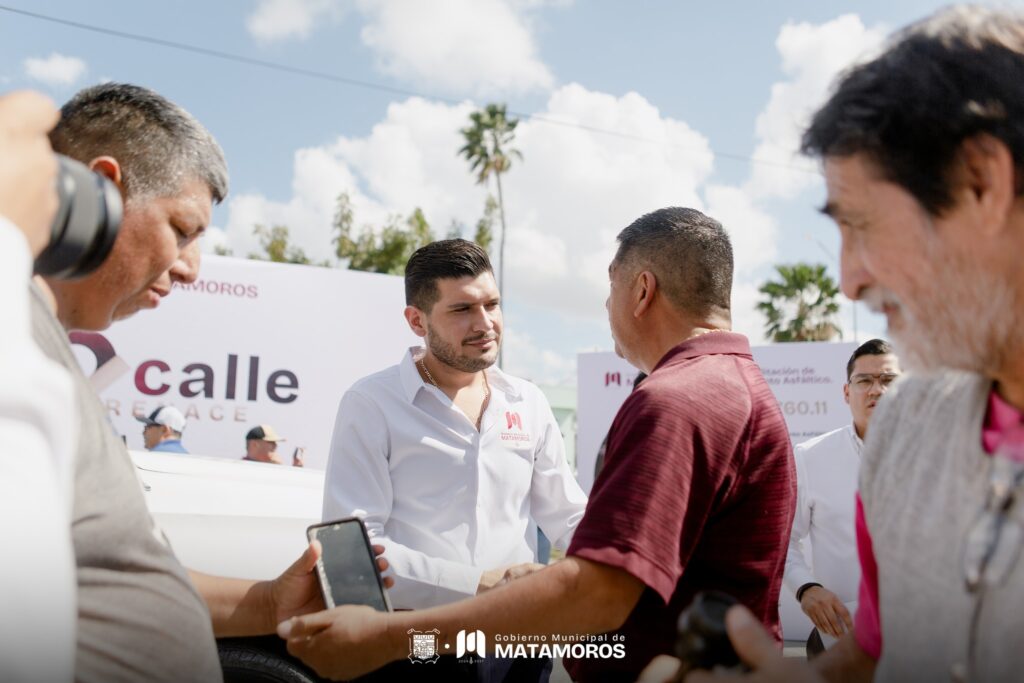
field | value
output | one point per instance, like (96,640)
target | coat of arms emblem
(423,646)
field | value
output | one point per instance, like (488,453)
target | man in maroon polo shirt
(697,492)
(698,486)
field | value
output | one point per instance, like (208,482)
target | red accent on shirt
(1001,419)
(867,627)
(697,493)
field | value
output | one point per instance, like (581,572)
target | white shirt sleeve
(38,428)
(798,570)
(557,502)
(358,484)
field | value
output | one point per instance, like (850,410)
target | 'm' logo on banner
(469,642)
(613,378)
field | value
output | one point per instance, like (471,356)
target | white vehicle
(235,518)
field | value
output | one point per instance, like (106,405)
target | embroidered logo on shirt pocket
(515,435)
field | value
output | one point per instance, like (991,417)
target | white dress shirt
(38,428)
(827,468)
(446,501)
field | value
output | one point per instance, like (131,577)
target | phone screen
(347,569)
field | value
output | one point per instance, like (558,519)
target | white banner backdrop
(806,378)
(250,343)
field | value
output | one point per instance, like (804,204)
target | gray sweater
(923,482)
(139,617)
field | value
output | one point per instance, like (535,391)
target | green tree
(275,246)
(383,251)
(484,235)
(801,305)
(489,151)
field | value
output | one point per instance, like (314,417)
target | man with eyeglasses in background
(827,468)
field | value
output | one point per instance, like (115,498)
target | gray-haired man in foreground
(140,617)
(923,151)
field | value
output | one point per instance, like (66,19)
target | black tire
(261,660)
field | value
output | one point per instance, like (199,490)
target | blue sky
(698,89)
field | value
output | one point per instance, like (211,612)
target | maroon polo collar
(710,344)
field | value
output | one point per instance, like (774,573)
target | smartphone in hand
(347,568)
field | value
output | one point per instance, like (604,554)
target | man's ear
(417,321)
(109,168)
(988,180)
(846,393)
(644,289)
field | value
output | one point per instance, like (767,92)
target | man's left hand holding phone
(349,567)
(293,593)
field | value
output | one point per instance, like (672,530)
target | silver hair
(158,145)
(974,26)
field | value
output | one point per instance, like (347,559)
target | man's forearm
(571,597)
(845,662)
(238,607)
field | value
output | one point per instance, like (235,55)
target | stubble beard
(450,356)
(962,323)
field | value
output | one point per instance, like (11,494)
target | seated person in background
(261,446)
(162,431)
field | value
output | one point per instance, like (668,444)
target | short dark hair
(872,347)
(953,75)
(689,253)
(444,259)
(158,144)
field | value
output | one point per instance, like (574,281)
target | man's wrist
(396,635)
(804,588)
(267,606)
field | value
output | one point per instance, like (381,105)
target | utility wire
(369,85)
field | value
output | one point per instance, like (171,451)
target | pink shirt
(1000,418)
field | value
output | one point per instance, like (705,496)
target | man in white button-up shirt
(827,469)
(450,461)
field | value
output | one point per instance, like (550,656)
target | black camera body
(86,225)
(702,641)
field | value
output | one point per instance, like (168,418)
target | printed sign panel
(806,378)
(250,343)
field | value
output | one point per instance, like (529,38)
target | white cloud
(754,236)
(409,160)
(812,56)
(55,70)
(479,46)
(457,46)
(568,198)
(212,239)
(575,188)
(525,358)
(277,20)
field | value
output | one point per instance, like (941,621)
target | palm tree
(802,305)
(488,150)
